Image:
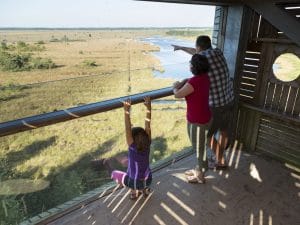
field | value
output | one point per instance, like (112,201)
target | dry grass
(61,153)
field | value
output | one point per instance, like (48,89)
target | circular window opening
(287,67)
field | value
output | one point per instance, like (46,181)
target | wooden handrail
(272,113)
(46,119)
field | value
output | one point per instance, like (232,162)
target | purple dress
(139,174)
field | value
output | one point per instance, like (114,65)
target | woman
(196,93)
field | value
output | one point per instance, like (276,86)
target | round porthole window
(287,67)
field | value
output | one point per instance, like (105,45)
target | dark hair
(199,64)
(203,42)
(140,138)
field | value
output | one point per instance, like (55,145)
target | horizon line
(99,28)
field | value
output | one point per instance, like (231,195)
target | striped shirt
(221,87)
(138,163)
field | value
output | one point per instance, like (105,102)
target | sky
(102,13)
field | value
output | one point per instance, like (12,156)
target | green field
(90,66)
(289,67)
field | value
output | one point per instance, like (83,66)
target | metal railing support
(46,119)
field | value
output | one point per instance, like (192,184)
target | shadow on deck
(252,191)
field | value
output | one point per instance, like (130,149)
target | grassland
(289,67)
(92,66)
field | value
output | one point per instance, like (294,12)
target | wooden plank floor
(254,191)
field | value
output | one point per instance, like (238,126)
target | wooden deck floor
(254,191)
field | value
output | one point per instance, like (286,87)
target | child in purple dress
(138,176)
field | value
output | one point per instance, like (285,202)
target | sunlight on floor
(254,172)
(261,219)
(182,204)
(173,214)
(158,220)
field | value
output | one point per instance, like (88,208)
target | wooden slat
(250,118)
(279,18)
(254,55)
(281,156)
(274,115)
(269,95)
(291,100)
(288,128)
(248,80)
(246,73)
(283,98)
(243,124)
(250,68)
(246,99)
(255,130)
(248,87)
(277,146)
(293,12)
(275,40)
(277,94)
(296,111)
(288,4)
(254,25)
(247,92)
(251,61)
(280,137)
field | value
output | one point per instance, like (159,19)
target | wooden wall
(268,119)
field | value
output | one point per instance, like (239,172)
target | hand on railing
(147,102)
(127,106)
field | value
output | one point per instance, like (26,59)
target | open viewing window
(286,67)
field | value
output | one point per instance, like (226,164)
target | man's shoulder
(215,50)
(211,52)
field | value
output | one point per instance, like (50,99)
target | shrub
(14,62)
(21,62)
(89,63)
(40,42)
(81,52)
(39,63)
(4,45)
(23,47)
(21,44)
(54,40)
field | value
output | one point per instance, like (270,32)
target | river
(174,63)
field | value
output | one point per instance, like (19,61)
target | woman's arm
(184,91)
(127,105)
(188,50)
(148,116)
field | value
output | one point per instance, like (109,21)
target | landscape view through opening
(55,55)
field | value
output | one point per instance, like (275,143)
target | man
(221,96)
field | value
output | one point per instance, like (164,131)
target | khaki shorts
(221,119)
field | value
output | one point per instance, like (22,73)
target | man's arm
(188,50)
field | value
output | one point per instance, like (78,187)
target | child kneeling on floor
(138,176)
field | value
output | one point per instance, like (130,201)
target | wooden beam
(278,18)
(274,40)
